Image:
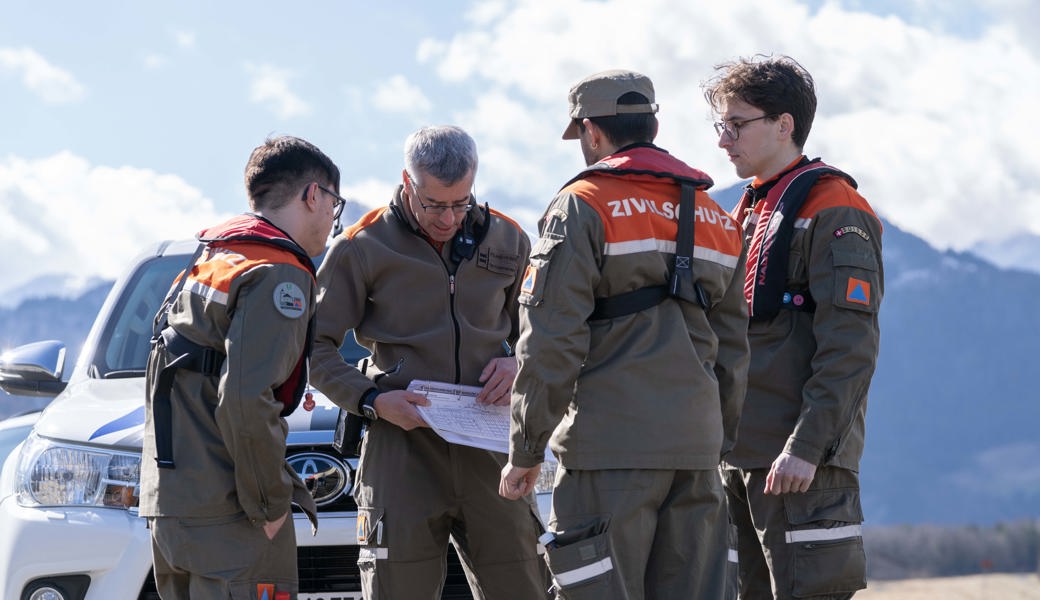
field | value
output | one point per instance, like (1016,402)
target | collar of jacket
(645,158)
(250,227)
(758,189)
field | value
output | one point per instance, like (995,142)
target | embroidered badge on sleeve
(289,299)
(530,278)
(857,291)
(851,229)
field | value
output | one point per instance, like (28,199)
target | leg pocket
(585,569)
(825,538)
(825,568)
(370,540)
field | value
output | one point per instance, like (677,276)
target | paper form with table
(457,417)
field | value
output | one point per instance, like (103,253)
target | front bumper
(113,548)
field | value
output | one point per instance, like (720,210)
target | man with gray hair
(429,285)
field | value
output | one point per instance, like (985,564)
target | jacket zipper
(455,323)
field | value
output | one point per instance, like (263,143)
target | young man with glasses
(814,285)
(228,364)
(429,284)
(633,353)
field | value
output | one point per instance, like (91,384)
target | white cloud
(154,61)
(397,94)
(184,39)
(935,126)
(270,87)
(369,192)
(61,214)
(50,83)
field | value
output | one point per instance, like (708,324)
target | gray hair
(445,152)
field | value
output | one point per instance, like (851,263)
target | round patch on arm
(289,299)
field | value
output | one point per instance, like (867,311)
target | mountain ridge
(952,413)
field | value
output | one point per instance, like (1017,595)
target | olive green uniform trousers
(416,492)
(799,545)
(635,534)
(221,558)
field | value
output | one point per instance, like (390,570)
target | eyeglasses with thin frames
(337,204)
(440,209)
(732,128)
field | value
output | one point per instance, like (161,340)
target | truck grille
(332,569)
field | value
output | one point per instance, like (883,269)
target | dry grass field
(994,586)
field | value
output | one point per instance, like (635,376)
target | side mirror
(33,369)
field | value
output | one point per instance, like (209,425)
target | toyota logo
(326,477)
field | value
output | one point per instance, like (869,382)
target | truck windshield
(126,340)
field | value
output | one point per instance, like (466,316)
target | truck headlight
(57,474)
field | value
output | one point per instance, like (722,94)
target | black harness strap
(648,297)
(189,356)
(768,273)
(627,303)
(684,238)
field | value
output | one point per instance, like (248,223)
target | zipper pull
(451,284)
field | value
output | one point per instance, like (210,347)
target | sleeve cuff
(803,450)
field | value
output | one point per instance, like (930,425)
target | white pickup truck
(69,528)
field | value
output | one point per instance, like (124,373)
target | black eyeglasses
(732,128)
(337,204)
(440,209)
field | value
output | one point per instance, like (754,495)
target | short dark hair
(776,85)
(280,166)
(627,128)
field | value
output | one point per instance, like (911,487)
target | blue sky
(129,122)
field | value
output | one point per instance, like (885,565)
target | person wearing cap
(429,285)
(814,285)
(633,354)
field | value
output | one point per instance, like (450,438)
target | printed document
(457,417)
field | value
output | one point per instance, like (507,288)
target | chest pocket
(497,261)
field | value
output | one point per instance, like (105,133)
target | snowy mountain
(1018,252)
(953,413)
(48,286)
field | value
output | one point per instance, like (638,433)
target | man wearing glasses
(228,364)
(814,285)
(429,284)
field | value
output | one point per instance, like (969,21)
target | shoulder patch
(857,291)
(842,231)
(530,278)
(289,300)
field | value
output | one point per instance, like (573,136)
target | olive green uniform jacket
(657,389)
(229,440)
(810,371)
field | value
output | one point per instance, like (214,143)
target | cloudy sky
(128,122)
